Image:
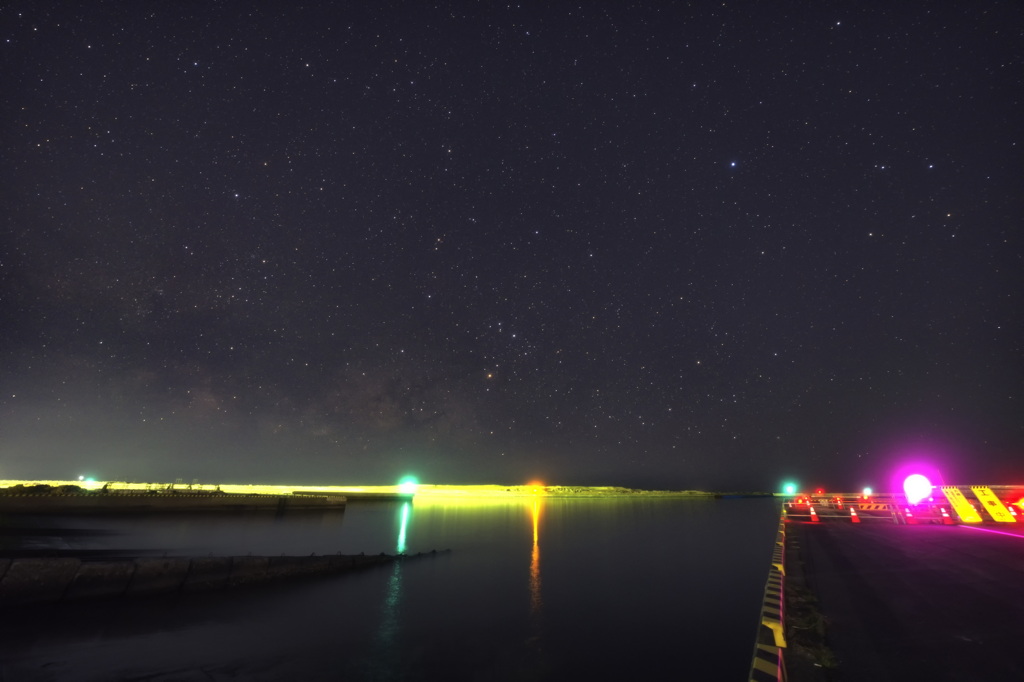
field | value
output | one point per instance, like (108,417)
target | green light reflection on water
(403,526)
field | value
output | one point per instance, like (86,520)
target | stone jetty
(31,580)
(56,501)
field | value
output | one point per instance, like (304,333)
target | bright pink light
(917,487)
(915,460)
(997,532)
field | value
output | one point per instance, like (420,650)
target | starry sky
(668,245)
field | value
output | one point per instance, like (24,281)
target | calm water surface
(533,589)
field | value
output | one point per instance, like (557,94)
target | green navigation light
(789,488)
(408,485)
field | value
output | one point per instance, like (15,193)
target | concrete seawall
(46,580)
(162,502)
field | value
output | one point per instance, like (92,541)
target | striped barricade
(768,664)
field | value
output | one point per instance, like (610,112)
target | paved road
(925,602)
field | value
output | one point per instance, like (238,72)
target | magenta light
(917,487)
(997,532)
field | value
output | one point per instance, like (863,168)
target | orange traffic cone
(910,517)
(853,515)
(814,516)
(945,517)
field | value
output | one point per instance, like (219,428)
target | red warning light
(819,491)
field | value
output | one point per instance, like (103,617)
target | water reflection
(403,526)
(535,667)
(384,662)
(473,614)
(535,597)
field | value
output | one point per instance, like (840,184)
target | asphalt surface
(919,602)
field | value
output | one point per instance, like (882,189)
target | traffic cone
(946,520)
(910,518)
(853,515)
(814,516)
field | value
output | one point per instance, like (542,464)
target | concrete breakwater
(135,502)
(31,580)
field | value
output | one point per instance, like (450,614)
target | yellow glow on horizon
(492,492)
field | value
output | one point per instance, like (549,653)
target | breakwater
(33,580)
(142,502)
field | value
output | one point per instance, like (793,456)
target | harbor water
(533,589)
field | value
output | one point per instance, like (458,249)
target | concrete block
(153,576)
(100,579)
(339,562)
(37,580)
(248,569)
(360,560)
(296,566)
(207,573)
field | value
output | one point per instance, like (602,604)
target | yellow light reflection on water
(535,597)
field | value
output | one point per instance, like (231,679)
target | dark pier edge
(40,580)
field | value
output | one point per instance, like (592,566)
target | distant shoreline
(423,491)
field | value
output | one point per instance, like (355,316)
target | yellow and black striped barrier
(768,664)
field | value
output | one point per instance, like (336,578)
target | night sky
(707,245)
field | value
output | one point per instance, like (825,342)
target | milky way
(656,245)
